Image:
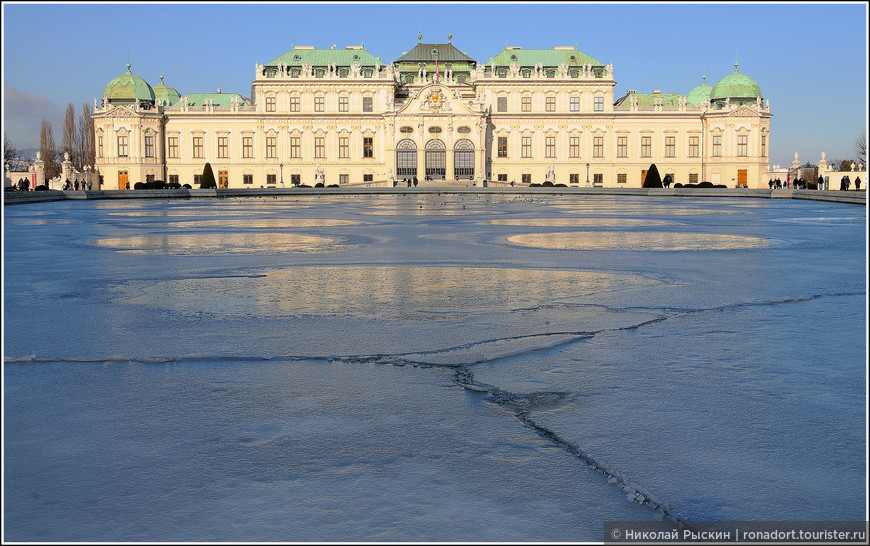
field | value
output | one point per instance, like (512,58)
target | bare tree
(85,151)
(861,147)
(69,133)
(49,150)
(10,152)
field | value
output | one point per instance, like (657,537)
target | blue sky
(810,59)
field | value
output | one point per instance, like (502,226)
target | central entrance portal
(463,160)
(406,159)
(436,160)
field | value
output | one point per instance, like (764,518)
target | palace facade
(342,116)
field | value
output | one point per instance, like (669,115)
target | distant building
(530,115)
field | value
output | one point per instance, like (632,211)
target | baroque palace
(342,116)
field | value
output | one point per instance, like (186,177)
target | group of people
(23,184)
(845,183)
(77,185)
(407,181)
(776,183)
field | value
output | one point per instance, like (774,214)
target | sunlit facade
(343,117)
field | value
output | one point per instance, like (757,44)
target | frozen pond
(429,367)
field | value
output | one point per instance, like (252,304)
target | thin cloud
(16,103)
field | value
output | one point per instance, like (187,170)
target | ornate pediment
(743,110)
(436,99)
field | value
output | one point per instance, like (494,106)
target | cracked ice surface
(435,367)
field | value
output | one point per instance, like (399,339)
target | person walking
(857,183)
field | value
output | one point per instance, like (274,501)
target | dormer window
(297,58)
(434,51)
(513,57)
(356,57)
(573,57)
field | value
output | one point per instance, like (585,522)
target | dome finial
(128,67)
(449,37)
(161,78)
(419,36)
(735,66)
(704,79)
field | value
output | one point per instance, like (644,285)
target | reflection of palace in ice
(341,116)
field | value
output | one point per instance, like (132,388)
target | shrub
(208,180)
(547,184)
(158,184)
(173,185)
(187,187)
(534,185)
(332,186)
(706,184)
(678,185)
(319,185)
(560,185)
(140,186)
(653,178)
(41,187)
(303,186)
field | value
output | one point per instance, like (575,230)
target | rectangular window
(598,146)
(149,146)
(294,104)
(575,104)
(342,104)
(622,146)
(550,146)
(527,104)
(621,178)
(670,146)
(693,146)
(247,179)
(197,179)
(319,147)
(502,146)
(149,178)
(527,146)
(295,147)
(343,178)
(100,146)
(197,146)
(295,179)
(597,179)
(368,178)
(343,152)
(318,104)
(271,179)
(122,146)
(270,104)
(173,179)
(645,146)
(717,146)
(502,104)
(574,178)
(271,147)
(763,145)
(599,104)
(247,147)
(574,146)
(741,145)
(223,147)
(527,179)
(502,178)
(693,178)
(551,104)
(367,104)
(368,147)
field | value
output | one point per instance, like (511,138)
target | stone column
(66,169)
(39,168)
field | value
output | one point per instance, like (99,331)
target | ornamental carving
(435,100)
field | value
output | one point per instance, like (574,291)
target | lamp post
(282,175)
(587,175)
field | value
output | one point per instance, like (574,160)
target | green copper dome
(700,93)
(735,86)
(128,88)
(165,95)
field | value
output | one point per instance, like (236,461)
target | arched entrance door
(463,160)
(406,159)
(436,159)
